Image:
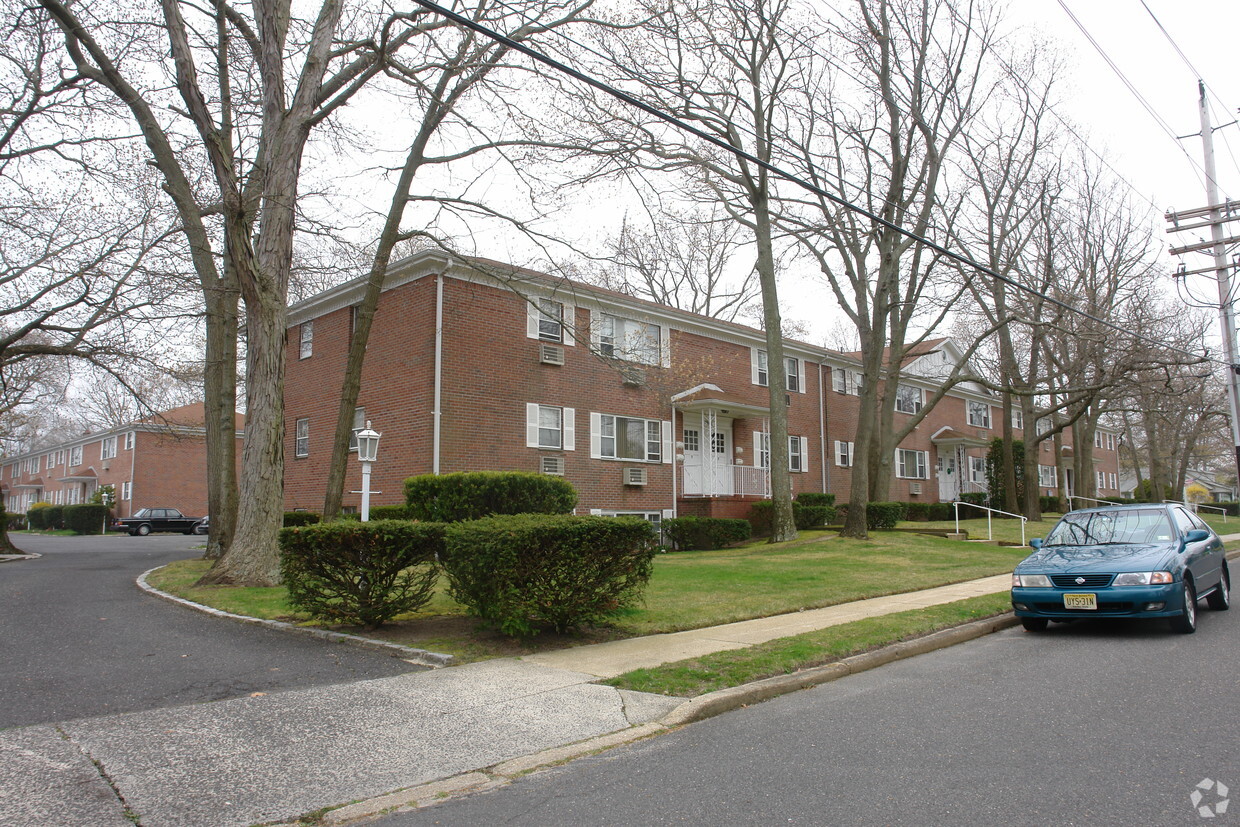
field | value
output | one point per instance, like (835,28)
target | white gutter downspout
(133,459)
(675,465)
(822,434)
(436,413)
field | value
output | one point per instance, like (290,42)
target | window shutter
(757,449)
(595,328)
(596,435)
(531,425)
(804,454)
(570,323)
(753,365)
(665,346)
(667,442)
(801,375)
(531,317)
(569,423)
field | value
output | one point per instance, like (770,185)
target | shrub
(55,517)
(762,515)
(919,512)
(452,498)
(815,498)
(884,515)
(87,518)
(15,522)
(524,572)
(1232,508)
(706,532)
(360,573)
(37,516)
(1046,504)
(389,512)
(940,511)
(300,518)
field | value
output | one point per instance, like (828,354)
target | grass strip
(697,676)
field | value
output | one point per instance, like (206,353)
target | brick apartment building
(645,409)
(159,461)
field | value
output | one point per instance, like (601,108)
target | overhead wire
(717,142)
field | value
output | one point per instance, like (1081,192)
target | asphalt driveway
(79,639)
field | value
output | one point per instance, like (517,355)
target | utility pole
(1215,215)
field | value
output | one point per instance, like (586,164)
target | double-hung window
(1018,419)
(627,437)
(843,454)
(1046,476)
(301,438)
(908,399)
(75,456)
(630,340)
(359,422)
(846,381)
(792,373)
(550,320)
(107,448)
(126,490)
(306,345)
(911,465)
(761,371)
(129,440)
(977,469)
(979,414)
(549,426)
(797,451)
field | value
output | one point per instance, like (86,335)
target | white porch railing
(971,487)
(989,532)
(726,481)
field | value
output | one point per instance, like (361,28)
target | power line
(713,140)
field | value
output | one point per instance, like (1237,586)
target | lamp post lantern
(367,452)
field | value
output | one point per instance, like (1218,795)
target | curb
(696,709)
(419,656)
(13,558)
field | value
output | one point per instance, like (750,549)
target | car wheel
(1186,623)
(1034,624)
(1220,599)
(200,529)
(143,530)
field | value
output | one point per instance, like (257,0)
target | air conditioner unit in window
(552,465)
(634,476)
(551,354)
(914,488)
(633,377)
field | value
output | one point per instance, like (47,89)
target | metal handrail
(1196,506)
(1092,500)
(990,535)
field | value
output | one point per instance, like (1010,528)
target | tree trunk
(220,410)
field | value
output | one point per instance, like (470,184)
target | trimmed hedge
(880,516)
(706,532)
(522,573)
(453,498)
(974,497)
(39,516)
(15,522)
(389,512)
(1046,504)
(300,518)
(1232,508)
(360,573)
(940,511)
(87,518)
(919,512)
(762,515)
(815,498)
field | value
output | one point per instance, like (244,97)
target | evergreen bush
(360,573)
(762,515)
(920,512)
(1051,504)
(37,516)
(522,573)
(881,516)
(300,518)
(389,512)
(87,518)
(815,498)
(706,532)
(453,498)
(940,511)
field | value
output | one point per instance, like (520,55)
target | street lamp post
(367,451)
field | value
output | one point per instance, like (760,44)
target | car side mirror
(1036,542)
(1196,535)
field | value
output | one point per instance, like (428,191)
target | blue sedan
(1128,561)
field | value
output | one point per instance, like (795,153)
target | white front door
(708,467)
(949,477)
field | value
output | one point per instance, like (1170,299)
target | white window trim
(846,381)
(1018,419)
(359,422)
(977,466)
(923,465)
(75,456)
(1045,473)
(301,443)
(305,340)
(756,371)
(126,490)
(129,437)
(969,408)
(596,438)
(918,403)
(533,315)
(103,448)
(618,350)
(843,454)
(533,425)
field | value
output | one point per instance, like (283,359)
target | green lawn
(1005,530)
(689,590)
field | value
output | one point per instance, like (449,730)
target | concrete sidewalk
(275,757)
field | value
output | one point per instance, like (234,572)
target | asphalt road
(1087,724)
(79,639)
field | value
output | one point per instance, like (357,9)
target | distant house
(160,460)
(646,409)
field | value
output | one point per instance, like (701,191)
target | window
(547,426)
(1100,480)
(796,453)
(1114,482)
(797,450)
(979,414)
(126,490)
(843,454)
(761,375)
(628,339)
(75,456)
(626,437)
(718,443)
(307,340)
(908,399)
(1046,476)
(1097,439)
(550,320)
(977,469)
(1018,419)
(359,422)
(691,440)
(911,465)
(60,457)
(129,441)
(1042,426)
(655,518)
(761,449)
(301,438)
(846,381)
(107,448)
(793,374)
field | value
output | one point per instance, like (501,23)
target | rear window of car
(1109,527)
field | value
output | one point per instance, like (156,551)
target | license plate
(1080,601)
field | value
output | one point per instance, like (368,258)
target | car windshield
(1146,525)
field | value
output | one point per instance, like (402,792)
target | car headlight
(1031,581)
(1142,578)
